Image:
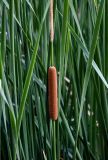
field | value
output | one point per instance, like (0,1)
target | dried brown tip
(52,93)
(51,21)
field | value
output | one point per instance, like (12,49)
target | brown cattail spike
(51,21)
(52,93)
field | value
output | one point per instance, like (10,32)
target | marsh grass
(80,54)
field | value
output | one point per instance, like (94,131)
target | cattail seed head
(52,93)
(51,21)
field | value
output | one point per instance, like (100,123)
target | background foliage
(81,59)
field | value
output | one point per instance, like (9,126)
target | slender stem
(13,61)
(12,48)
(52,61)
(54,141)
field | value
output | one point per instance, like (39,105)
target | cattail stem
(51,53)
(54,141)
(51,29)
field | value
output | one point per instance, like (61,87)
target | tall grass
(80,53)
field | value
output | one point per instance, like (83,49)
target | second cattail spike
(51,21)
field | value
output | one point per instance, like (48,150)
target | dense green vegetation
(80,54)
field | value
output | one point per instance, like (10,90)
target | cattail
(51,21)
(52,93)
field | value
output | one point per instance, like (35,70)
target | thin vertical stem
(12,48)
(51,30)
(52,60)
(13,61)
(54,141)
